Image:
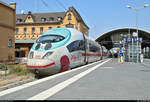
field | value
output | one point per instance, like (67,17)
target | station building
(7,32)
(32,25)
(113,37)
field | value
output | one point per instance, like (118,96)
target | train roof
(65,32)
(58,31)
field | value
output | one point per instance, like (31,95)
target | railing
(27,36)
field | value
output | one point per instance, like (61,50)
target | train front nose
(42,67)
(40,63)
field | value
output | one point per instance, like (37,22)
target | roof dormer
(43,19)
(29,18)
(51,19)
(19,20)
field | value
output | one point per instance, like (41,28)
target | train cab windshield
(50,39)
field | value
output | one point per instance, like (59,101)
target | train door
(87,51)
(82,48)
(102,51)
(76,50)
(84,54)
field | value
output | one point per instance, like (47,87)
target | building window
(41,29)
(70,25)
(49,28)
(51,19)
(59,18)
(43,19)
(17,30)
(69,16)
(33,30)
(29,17)
(9,43)
(25,30)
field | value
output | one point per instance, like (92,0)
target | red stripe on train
(32,66)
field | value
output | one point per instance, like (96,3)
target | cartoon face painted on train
(50,41)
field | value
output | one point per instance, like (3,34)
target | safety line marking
(49,92)
(106,68)
(11,90)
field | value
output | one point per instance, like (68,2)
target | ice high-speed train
(61,49)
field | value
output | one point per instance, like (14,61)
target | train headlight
(47,55)
(31,55)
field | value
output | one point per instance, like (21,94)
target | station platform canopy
(24,41)
(108,39)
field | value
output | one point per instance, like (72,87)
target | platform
(103,80)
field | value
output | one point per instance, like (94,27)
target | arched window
(25,31)
(41,30)
(33,30)
(69,16)
(29,17)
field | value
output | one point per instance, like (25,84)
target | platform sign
(134,39)
(129,40)
(140,39)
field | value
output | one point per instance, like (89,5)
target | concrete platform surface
(103,80)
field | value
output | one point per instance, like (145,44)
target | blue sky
(100,15)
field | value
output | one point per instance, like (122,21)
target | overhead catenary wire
(61,4)
(84,14)
(82,11)
(58,2)
(44,3)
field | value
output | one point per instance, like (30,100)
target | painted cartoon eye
(48,46)
(37,46)
(47,55)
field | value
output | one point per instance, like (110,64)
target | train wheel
(37,76)
(65,64)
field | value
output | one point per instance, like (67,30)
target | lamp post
(137,9)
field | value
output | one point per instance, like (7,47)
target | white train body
(61,49)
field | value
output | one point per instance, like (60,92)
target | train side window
(82,45)
(75,45)
(70,46)
(94,48)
